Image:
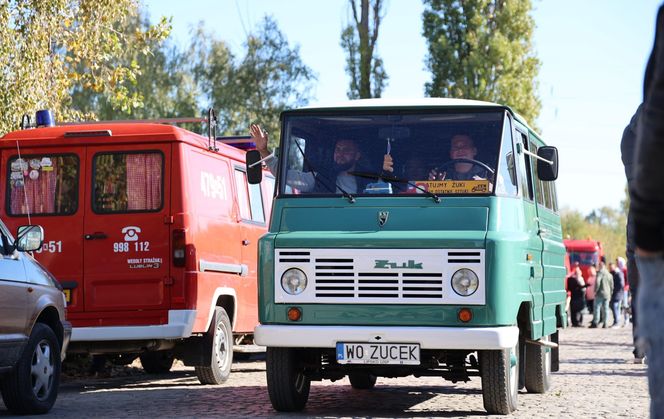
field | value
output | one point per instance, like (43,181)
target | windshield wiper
(393,179)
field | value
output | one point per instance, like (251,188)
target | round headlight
(465,282)
(294,281)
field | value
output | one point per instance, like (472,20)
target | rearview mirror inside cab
(254,169)
(29,238)
(547,171)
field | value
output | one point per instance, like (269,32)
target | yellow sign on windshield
(455,186)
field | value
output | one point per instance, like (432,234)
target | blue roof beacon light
(44,118)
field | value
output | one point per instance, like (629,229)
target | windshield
(584,258)
(446,153)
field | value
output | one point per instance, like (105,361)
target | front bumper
(66,338)
(471,338)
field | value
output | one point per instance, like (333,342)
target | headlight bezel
(465,273)
(303,281)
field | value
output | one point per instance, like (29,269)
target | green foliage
(363,65)
(269,78)
(162,88)
(482,49)
(49,48)
(606,225)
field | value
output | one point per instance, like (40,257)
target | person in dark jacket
(618,293)
(576,287)
(648,205)
(627,145)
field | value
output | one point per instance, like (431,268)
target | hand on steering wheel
(474,162)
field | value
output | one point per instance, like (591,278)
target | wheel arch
(225,298)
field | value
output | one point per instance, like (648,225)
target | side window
(539,185)
(527,184)
(43,185)
(242,194)
(506,179)
(127,182)
(5,240)
(256,201)
(554,196)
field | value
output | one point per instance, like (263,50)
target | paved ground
(597,379)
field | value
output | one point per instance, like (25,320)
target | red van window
(242,194)
(128,182)
(42,185)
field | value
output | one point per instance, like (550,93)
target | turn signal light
(294,314)
(465,315)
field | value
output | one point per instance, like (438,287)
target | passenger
(346,157)
(461,147)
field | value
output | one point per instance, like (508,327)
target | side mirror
(254,169)
(546,171)
(29,238)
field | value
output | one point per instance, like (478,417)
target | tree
(363,65)
(257,87)
(605,225)
(482,49)
(163,81)
(49,46)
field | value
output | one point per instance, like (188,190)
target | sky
(593,55)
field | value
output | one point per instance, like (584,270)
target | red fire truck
(585,253)
(152,231)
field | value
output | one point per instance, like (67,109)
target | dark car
(33,331)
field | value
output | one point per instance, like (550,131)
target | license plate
(67,295)
(378,353)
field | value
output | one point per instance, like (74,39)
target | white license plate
(378,353)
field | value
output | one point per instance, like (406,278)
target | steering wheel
(464,160)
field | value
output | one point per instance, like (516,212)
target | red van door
(47,184)
(126,233)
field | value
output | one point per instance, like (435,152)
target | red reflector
(294,314)
(465,315)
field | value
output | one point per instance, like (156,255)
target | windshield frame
(506,115)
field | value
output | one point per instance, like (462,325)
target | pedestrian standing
(576,287)
(590,289)
(627,145)
(617,294)
(603,292)
(648,206)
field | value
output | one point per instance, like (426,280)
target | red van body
(153,232)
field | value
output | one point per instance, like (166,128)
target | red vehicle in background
(152,232)
(585,253)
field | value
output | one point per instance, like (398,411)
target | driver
(461,147)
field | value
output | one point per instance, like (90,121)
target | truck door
(253,221)
(126,234)
(532,226)
(47,184)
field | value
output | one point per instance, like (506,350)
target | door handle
(543,231)
(96,235)
(246,242)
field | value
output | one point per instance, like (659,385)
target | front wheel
(287,383)
(500,380)
(538,368)
(220,337)
(32,386)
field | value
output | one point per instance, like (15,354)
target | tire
(538,368)
(32,386)
(362,380)
(158,362)
(287,384)
(220,337)
(500,380)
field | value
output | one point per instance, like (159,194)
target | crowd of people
(603,290)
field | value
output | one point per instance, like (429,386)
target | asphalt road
(597,379)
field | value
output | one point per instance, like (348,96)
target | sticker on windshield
(455,186)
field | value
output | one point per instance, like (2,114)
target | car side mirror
(254,168)
(29,238)
(547,171)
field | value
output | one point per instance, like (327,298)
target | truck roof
(107,133)
(582,245)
